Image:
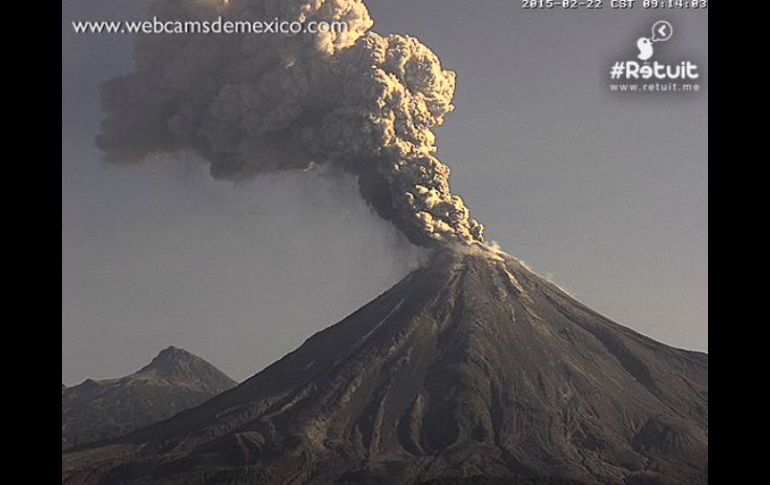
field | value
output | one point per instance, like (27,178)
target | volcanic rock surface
(471,370)
(175,380)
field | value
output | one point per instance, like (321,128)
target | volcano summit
(472,369)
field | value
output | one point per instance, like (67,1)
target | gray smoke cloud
(251,104)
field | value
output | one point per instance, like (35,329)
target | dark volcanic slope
(470,370)
(175,380)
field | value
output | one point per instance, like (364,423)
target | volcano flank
(472,369)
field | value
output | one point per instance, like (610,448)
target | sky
(603,193)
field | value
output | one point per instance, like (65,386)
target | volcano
(175,380)
(472,369)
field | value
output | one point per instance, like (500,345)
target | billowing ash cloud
(251,104)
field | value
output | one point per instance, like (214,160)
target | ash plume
(251,104)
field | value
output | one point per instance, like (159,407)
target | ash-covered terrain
(472,369)
(175,380)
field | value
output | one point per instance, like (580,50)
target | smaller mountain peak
(173,381)
(88,383)
(174,364)
(172,352)
(171,359)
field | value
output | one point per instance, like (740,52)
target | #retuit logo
(645,74)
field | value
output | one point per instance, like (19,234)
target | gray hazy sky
(606,195)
